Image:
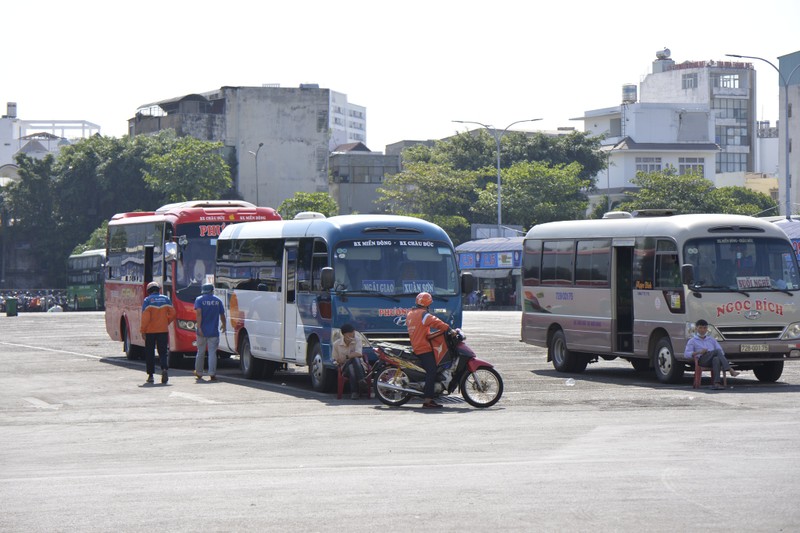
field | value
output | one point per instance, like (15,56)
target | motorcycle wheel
(482,388)
(395,376)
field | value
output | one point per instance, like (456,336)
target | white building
(35,138)
(278,139)
(650,137)
(728,88)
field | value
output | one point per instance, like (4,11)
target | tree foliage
(190,170)
(96,240)
(59,202)
(691,193)
(534,193)
(321,202)
(478,150)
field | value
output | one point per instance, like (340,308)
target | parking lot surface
(86,445)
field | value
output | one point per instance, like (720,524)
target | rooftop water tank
(629,93)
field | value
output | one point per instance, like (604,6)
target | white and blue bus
(288,286)
(633,288)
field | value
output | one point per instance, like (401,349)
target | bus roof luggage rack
(204,203)
(653,213)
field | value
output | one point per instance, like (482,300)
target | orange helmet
(424,299)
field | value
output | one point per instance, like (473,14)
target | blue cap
(207,288)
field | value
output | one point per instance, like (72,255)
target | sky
(415,65)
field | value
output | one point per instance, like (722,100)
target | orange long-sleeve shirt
(157,314)
(419,323)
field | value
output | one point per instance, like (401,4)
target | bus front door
(622,316)
(292,341)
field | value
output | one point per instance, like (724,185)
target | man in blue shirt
(210,313)
(709,353)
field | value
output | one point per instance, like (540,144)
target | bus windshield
(742,264)
(395,267)
(195,264)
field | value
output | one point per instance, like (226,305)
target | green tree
(743,201)
(30,203)
(534,193)
(97,240)
(320,202)
(689,193)
(190,170)
(478,150)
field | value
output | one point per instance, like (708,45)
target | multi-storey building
(35,138)
(728,88)
(789,67)
(649,137)
(277,139)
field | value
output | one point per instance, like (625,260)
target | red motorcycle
(398,376)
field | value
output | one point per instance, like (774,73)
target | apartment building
(728,88)
(277,139)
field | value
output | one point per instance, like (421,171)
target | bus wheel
(769,372)
(563,359)
(251,367)
(668,370)
(131,351)
(269,369)
(321,378)
(175,359)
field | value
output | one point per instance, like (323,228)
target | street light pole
(785,119)
(255,155)
(497,136)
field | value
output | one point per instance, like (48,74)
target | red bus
(174,245)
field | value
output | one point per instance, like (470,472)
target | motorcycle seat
(397,350)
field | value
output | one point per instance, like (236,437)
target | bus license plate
(754,348)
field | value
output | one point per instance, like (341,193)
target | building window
(689,81)
(726,81)
(735,108)
(732,136)
(688,165)
(730,162)
(648,164)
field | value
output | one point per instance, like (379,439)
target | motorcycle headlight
(792,332)
(187,324)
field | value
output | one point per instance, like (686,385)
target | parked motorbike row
(35,300)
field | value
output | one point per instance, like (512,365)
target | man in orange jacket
(419,323)
(157,314)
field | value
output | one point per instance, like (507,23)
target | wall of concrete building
(293,125)
(356,177)
(203,126)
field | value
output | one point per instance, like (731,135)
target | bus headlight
(792,332)
(187,324)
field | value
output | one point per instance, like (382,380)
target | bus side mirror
(467,282)
(326,278)
(687,274)
(170,251)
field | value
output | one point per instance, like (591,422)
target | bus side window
(668,271)
(318,262)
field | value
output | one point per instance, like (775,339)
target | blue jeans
(355,372)
(717,361)
(151,341)
(212,343)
